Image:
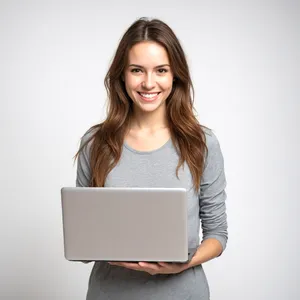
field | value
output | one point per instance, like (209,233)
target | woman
(151,138)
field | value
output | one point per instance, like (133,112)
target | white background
(244,61)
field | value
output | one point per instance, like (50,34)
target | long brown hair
(187,135)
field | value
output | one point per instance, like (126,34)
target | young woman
(151,138)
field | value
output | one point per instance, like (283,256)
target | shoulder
(211,139)
(87,138)
(214,154)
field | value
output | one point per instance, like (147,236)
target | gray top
(158,169)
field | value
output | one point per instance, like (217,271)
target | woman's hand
(153,268)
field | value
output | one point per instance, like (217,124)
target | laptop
(125,224)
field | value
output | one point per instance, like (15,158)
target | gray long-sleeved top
(158,169)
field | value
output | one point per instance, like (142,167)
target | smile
(148,96)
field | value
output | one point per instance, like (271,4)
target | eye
(161,71)
(135,70)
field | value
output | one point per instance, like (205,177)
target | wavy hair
(186,133)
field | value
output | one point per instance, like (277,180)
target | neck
(142,120)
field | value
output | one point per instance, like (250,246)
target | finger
(131,265)
(168,266)
(172,267)
(165,264)
(125,264)
(150,271)
(134,266)
(150,266)
(114,263)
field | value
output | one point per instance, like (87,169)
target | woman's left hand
(153,268)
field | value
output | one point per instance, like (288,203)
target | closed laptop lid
(125,224)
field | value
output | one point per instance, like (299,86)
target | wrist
(188,265)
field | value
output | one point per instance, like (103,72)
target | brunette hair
(186,133)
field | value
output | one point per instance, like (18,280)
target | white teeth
(149,95)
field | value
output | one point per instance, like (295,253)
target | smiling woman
(151,138)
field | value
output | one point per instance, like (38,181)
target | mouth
(149,97)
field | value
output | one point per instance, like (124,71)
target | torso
(150,160)
(152,164)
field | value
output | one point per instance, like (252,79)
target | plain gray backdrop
(244,61)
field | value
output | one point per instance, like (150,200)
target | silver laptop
(125,224)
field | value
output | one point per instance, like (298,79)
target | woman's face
(148,76)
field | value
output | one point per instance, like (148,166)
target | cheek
(128,85)
(132,83)
(166,83)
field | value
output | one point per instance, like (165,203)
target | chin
(150,107)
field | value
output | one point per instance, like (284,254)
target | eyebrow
(138,66)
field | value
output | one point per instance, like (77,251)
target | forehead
(148,54)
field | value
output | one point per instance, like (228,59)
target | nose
(149,82)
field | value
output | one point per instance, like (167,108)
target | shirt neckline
(147,152)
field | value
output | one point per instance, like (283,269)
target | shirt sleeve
(212,194)
(83,177)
